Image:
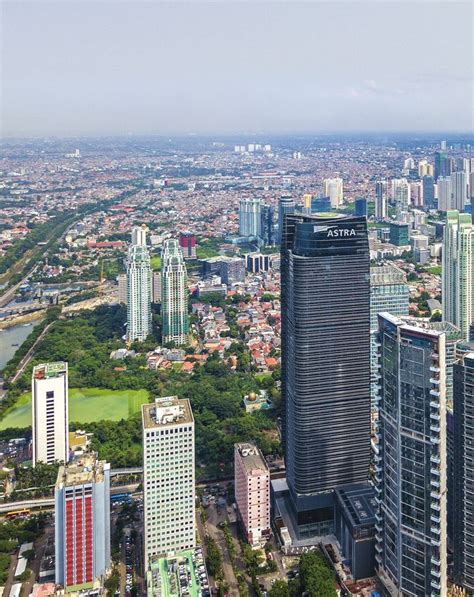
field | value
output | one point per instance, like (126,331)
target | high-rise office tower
(50,418)
(462,496)
(445,193)
(82,523)
(252,492)
(457,271)
(459,184)
(402,196)
(286,205)
(410,459)
(360,207)
(428,192)
(381,200)
(325,362)
(443,165)
(307,199)
(416,193)
(122,288)
(174,294)
(334,189)
(267,230)
(187,242)
(389,292)
(138,287)
(168,477)
(250,217)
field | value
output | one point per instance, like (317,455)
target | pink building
(252,492)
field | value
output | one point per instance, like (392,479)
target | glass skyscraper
(250,217)
(410,459)
(325,362)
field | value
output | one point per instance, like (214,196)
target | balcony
(434,506)
(435,495)
(435,428)
(434,471)
(434,405)
(435,585)
(435,562)
(436,459)
(435,542)
(435,440)
(378,527)
(434,483)
(434,393)
(436,573)
(378,558)
(435,369)
(435,519)
(378,516)
(434,381)
(436,531)
(435,417)
(378,539)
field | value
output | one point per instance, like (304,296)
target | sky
(116,68)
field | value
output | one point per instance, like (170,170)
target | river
(17,334)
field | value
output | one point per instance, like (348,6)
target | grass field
(155,262)
(85,405)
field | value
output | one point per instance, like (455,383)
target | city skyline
(222,68)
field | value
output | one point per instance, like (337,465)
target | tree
(279,589)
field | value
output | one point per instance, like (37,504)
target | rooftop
(252,458)
(83,470)
(166,411)
(49,370)
(384,275)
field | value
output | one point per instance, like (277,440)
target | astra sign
(335,231)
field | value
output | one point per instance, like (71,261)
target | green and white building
(457,293)
(138,287)
(174,294)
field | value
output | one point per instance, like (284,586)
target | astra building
(463,473)
(250,217)
(389,292)
(325,363)
(174,294)
(168,477)
(138,287)
(82,523)
(50,416)
(410,459)
(252,492)
(457,271)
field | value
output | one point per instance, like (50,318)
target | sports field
(155,262)
(85,405)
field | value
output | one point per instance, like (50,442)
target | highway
(26,359)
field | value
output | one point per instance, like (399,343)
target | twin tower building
(401,517)
(168,287)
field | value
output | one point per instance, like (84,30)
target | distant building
(82,523)
(168,477)
(156,287)
(256,262)
(459,182)
(445,193)
(443,165)
(401,191)
(267,228)
(428,192)
(174,294)
(187,242)
(252,492)
(360,207)
(399,234)
(333,188)
(122,288)
(50,416)
(138,287)
(381,200)
(231,270)
(320,205)
(250,217)
(255,402)
(410,459)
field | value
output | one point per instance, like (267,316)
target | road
(27,358)
(8,295)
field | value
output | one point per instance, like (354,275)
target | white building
(138,287)
(459,184)
(174,294)
(457,277)
(168,477)
(50,420)
(333,188)
(381,200)
(250,217)
(445,193)
(401,191)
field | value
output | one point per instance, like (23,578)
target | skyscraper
(50,417)
(361,207)
(168,477)
(381,200)
(82,523)
(410,459)
(266,226)
(445,193)
(401,195)
(333,188)
(457,278)
(174,294)
(138,287)
(250,217)
(428,192)
(325,362)
(425,169)
(463,473)
(187,242)
(286,205)
(389,292)
(442,165)
(459,182)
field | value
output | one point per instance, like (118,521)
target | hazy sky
(92,68)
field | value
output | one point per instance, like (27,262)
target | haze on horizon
(100,68)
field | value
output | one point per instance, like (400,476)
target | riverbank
(5,324)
